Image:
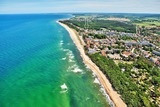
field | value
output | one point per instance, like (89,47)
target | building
(126,54)
(156,53)
(153,59)
(114,56)
(157,63)
(103,52)
(91,51)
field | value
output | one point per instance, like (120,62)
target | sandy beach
(114,96)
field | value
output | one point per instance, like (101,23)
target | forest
(108,24)
(133,94)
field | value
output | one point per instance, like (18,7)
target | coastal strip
(115,97)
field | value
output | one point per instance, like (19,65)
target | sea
(40,65)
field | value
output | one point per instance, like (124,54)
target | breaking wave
(61,43)
(74,68)
(64,58)
(70,56)
(102,90)
(96,81)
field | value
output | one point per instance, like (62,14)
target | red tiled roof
(126,53)
(103,53)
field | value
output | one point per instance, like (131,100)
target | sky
(79,6)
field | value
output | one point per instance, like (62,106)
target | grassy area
(149,24)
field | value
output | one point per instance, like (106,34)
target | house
(126,54)
(134,55)
(117,50)
(91,51)
(88,40)
(114,56)
(153,59)
(146,43)
(88,46)
(130,43)
(157,63)
(146,54)
(156,53)
(103,52)
(96,48)
(114,44)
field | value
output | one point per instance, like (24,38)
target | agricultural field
(149,24)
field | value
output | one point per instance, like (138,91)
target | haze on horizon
(73,6)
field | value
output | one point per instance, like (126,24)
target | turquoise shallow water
(37,56)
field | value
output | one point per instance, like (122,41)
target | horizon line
(83,13)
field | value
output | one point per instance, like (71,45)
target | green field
(149,24)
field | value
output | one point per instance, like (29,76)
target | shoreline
(114,96)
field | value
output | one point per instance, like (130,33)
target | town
(122,46)
(136,51)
